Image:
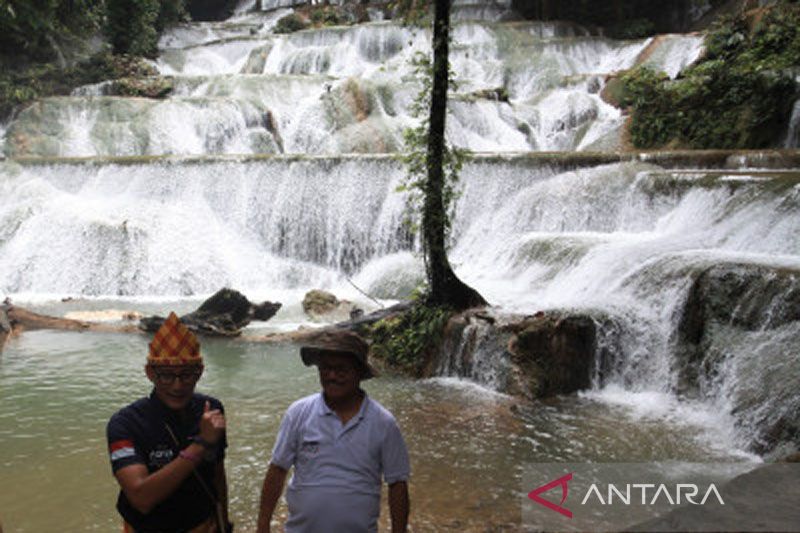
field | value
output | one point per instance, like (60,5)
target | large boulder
(224,314)
(319,304)
(736,345)
(742,296)
(558,352)
(538,356)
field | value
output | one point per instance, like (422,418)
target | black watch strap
(203,442)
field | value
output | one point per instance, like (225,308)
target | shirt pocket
(309,449)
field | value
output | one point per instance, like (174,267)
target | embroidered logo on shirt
(161,456)
(308,450)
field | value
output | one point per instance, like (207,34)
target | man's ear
(150,373)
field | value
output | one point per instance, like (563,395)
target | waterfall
(175,228)
(241,89)
(270,168)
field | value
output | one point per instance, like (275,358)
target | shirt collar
(324,410)
(168,413)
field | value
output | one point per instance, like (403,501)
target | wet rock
(750,312)
(151,87)
(556,353)
(538,356)
(318,302)
(323,304)
(5,326)
(613,92)
(224,314)
(744,296)
(472,347)
(498,94)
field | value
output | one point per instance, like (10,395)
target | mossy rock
(152,87)
(613,92)
(318,302)
(290,24)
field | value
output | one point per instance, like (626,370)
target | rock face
(560,352)
(224,314)
(736,343)
(746,297)
(556,353)
(5,326)
(535,356)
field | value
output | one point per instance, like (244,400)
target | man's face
(339,376)
(174,384)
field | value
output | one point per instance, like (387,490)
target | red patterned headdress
(174,345)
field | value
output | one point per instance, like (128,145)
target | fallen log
(20,319)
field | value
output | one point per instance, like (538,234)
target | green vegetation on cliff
(35,37)
(405,341)
(133,26)
(739,95)
(134,77)
(29,30)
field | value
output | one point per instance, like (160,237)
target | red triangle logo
(563,482)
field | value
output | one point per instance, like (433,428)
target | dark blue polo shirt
(137,434)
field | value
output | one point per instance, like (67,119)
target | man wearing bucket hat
(167,450)
(340,443)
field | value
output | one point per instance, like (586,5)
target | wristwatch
(203,442)
(209,449)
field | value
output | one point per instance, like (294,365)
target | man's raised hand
(212,424)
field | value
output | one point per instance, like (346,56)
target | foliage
(290,24)
(404,341)
(131,26)
(738,96)
(171,12)
(632,29)
(415,156)
(21,86)
(29,27)
(412,12)
(326,16)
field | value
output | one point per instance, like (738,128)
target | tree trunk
(445,287)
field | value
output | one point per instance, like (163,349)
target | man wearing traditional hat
(167,450)
(340,443)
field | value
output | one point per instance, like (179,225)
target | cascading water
(357,88)
(625,241)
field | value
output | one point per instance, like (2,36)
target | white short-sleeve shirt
(336,484)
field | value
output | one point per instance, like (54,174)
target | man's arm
(399,506)
(270,493)
(145,490)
